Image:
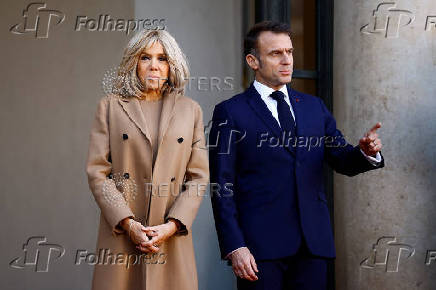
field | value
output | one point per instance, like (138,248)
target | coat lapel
(168,109)
(133,109)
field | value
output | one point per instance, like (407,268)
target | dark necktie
(285,116)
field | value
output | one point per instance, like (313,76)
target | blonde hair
(128,84)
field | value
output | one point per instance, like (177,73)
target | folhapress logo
(38,253)
(387,20)
(38,20)
(387,253)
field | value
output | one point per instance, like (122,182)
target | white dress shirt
(265,92)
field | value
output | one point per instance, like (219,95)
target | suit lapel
(297,102)
(133,109)
(262,111)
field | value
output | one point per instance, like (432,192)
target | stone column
(385,70)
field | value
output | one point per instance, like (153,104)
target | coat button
(180,140)
(126,175)
(172,179)
(125,137)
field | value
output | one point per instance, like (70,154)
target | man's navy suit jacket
(268,194)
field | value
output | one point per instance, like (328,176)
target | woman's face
(153,67)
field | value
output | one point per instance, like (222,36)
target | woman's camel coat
(120,176)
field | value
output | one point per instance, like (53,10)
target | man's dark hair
(250,41)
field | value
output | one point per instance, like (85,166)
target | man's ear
(252,61)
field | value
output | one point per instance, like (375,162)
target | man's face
(275,62)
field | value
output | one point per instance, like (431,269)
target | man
(267,148)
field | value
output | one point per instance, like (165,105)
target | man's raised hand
(370,143)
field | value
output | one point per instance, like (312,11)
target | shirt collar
(265,91)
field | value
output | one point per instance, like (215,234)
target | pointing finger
(374,128)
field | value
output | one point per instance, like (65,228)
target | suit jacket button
(172,179)
(126,175)
(180,140)
(125,137)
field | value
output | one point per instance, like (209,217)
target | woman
(147,140)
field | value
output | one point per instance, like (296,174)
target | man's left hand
(370,143)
